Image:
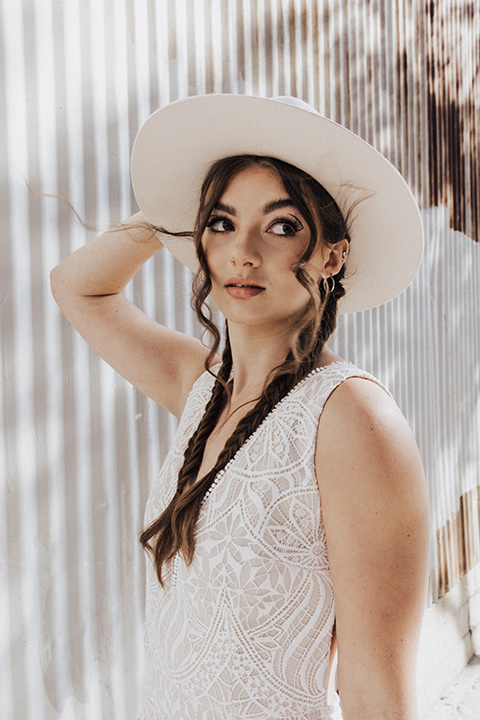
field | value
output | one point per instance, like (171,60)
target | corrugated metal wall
(78,447)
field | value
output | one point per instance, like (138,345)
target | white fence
(79,448)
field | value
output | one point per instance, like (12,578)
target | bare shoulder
(361,420)
(370,476)
(367,457)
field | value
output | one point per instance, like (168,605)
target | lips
(243,282)
(243,288)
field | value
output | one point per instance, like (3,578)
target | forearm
(106,264)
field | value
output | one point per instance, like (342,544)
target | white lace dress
(245,631)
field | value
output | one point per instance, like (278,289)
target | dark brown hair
(174,530)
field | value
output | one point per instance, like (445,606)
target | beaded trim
(221,473)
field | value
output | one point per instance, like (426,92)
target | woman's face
(253,238)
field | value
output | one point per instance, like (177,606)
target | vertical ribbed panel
(79,448)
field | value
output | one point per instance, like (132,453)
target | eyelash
(295,224)
(214,219)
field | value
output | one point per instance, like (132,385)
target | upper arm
(160,362)
(87,285)
(374,508)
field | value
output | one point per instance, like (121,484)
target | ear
(335,258)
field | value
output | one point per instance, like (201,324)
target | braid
(196,446)
(165,528)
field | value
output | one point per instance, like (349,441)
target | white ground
(461,701)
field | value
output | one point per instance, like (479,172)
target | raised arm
(376,522)
(162,363)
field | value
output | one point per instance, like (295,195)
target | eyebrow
(268,208)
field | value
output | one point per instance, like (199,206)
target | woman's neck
(256,351)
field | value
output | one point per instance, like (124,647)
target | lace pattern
(245,631)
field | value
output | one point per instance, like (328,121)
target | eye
(218,224)
(285,226)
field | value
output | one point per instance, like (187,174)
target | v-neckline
(316,371)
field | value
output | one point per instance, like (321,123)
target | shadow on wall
(453,87)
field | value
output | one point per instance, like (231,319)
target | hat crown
(296,102)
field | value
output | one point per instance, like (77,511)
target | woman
(283,449)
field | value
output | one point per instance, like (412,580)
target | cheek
(292,289)
(293,250)
(213,249)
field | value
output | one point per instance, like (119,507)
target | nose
(244,251)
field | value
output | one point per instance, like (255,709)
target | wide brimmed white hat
(178,143)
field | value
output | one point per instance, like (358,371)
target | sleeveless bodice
(245,631)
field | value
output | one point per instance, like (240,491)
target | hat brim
(178,143)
